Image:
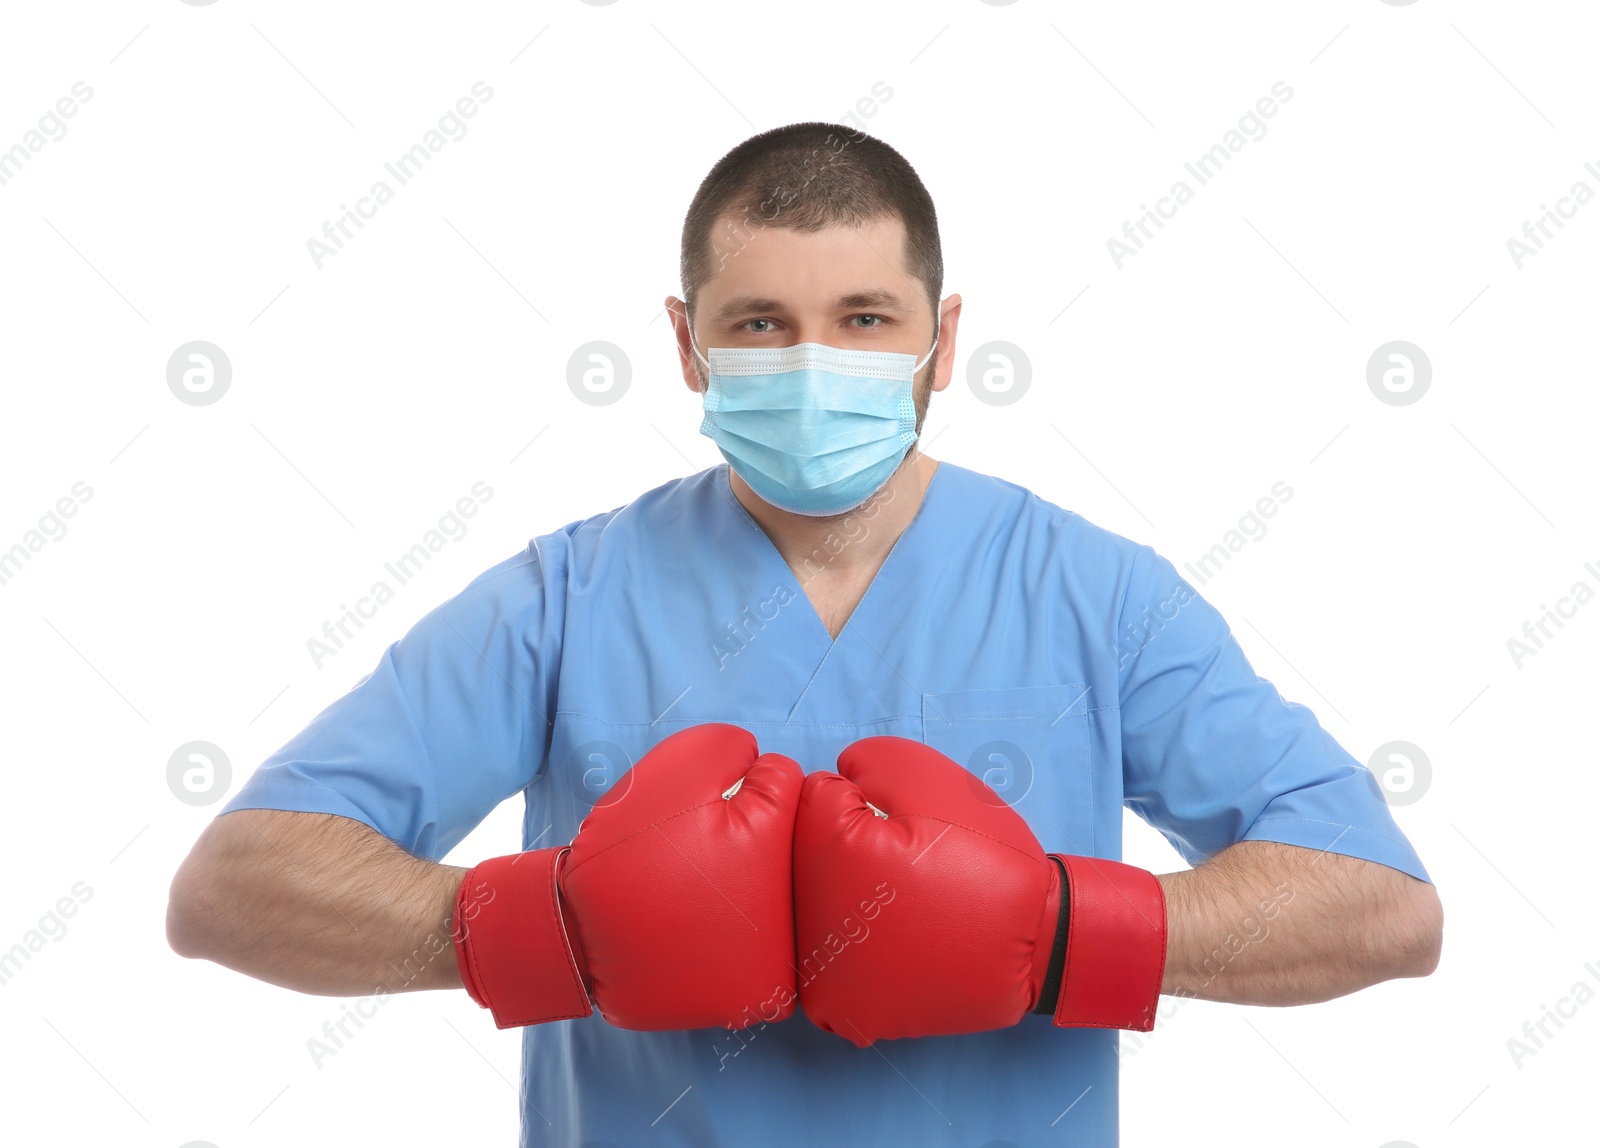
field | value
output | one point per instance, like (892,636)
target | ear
(944,358)
(687,362)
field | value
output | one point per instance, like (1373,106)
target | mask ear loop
(915,448)
(696,349)
(932,349)
(707,383)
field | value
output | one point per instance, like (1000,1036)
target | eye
(762,331)
(878,321)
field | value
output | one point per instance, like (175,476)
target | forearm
(1269,924)
(314,902)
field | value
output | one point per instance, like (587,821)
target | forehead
(752,258)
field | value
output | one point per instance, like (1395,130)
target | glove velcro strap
(1116,945)
(512,948)
(1049,961)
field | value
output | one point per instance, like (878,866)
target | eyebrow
(876,298)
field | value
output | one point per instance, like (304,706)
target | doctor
(829,584)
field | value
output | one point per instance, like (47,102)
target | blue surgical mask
(813,429)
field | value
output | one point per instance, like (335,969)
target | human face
(841,286)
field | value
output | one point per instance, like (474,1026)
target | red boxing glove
(671,908)
(942,914)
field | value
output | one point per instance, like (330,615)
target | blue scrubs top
(1075,670)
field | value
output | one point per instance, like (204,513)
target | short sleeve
(1213,755)
(450,723)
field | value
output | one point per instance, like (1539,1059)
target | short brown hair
(809,176)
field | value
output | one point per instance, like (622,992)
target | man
(830,585)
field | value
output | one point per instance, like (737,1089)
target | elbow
(1426,934)
(190,914)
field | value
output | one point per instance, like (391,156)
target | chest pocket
(1030,744)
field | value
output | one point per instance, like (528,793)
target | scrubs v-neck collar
(775,567)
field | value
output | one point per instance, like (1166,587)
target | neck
(848,544)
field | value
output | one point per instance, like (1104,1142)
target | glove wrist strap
(1057,909)
(1116,945)
(512,946)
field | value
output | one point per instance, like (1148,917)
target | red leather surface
(1116,945)
(683,897)
(677,900)
(927,923)
(511,945)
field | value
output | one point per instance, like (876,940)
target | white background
(369,395)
